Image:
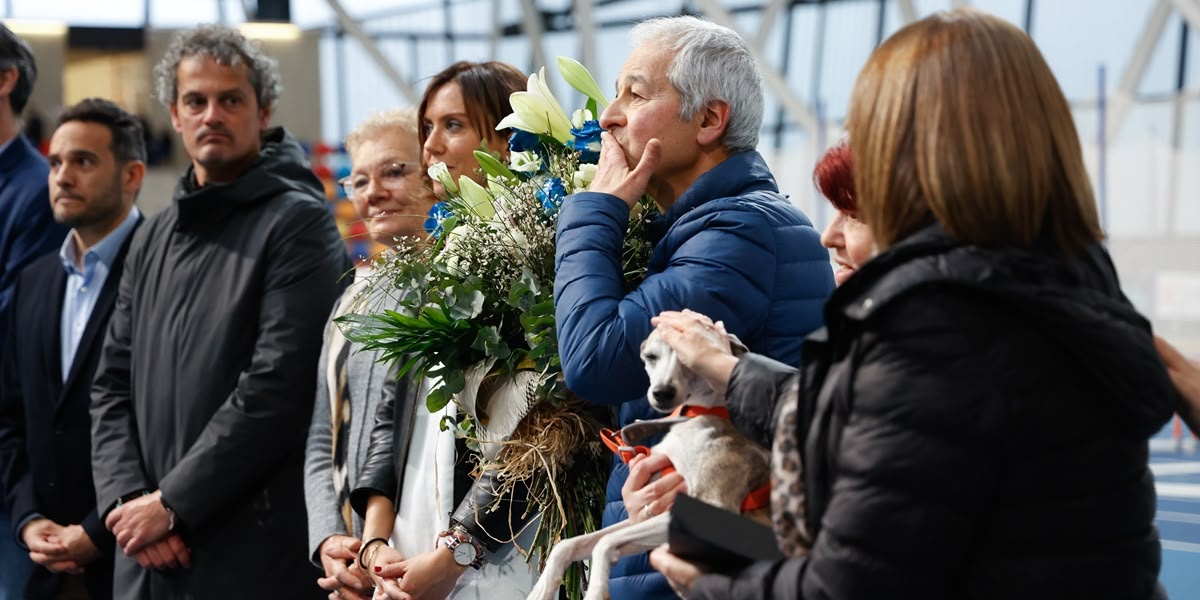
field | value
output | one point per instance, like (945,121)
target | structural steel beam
(793,105)
(585,26)
(1190,9)
(494,36)
(389,71)
(531,18)
(769,13)
(1127,87)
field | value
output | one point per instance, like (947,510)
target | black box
(717,539)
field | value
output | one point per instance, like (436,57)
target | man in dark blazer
(60,310)
(27,231)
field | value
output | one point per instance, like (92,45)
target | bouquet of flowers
(475,311)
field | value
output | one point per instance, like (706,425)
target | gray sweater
(365,379)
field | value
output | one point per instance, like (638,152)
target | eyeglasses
(389,176)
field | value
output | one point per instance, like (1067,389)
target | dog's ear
(736,345)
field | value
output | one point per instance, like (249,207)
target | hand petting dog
(700,344)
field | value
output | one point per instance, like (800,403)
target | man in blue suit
(59,314)
(27,231)
(683,129)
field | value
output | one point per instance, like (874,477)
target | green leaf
(466,303)
(454,380)
(437,399)
(492,166)
(488,340)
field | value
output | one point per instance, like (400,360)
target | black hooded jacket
(973,424)
(205,387)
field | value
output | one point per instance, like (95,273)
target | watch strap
(456,536)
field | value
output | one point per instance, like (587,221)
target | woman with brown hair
(973,420)
(415,473)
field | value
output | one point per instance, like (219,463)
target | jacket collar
(739,174)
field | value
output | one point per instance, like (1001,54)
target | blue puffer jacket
(731,247)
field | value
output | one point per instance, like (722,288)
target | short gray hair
(711,63)
(378,125)
(227,47)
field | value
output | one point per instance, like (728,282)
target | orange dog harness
(759,498)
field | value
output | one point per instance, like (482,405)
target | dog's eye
(650,357)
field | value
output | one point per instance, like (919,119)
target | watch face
(464,554)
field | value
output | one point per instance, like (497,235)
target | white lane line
(1181,546)
(1177,490)
(1175,468)
(1178,517)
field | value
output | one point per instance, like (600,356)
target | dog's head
(671,383)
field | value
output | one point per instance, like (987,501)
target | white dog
(719,465)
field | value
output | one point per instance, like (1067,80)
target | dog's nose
(663,394)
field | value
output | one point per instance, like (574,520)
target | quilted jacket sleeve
(722,265)
(754,379)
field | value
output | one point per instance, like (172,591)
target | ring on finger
(648,510)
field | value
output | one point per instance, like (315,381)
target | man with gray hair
(682,129)
(202,397)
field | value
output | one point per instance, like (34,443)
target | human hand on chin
(615,177)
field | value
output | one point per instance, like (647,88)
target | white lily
(440,173)
(536,110)
(579,78)
(477,197)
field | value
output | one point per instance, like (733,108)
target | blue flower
(437,213)
(523,141)
(587,141)
(551,195)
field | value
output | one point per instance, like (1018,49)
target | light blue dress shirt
(83,286)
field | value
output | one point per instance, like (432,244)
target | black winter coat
(974,424)
(205,388)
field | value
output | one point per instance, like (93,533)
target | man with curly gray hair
(202,397)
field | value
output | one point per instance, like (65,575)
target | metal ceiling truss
(579,17)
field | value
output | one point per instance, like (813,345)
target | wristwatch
(467,551)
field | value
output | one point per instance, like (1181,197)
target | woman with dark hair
(973,420)
(416,474)
(459,113)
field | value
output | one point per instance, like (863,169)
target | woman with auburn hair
(415,473)
(973,420)
(459,113)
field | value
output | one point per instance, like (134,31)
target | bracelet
(362,562)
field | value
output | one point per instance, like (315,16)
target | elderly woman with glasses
(391,194)
(432,529)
